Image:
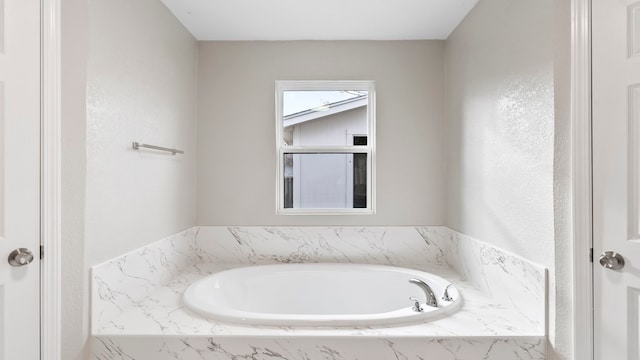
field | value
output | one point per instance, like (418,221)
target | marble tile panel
(128,280)
(229,348)
(400,246)
(506,277)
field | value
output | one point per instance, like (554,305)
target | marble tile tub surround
(126,281)
(159,326)
(400,246)
(506,277)
(137,310)
(208,348)
(129,280)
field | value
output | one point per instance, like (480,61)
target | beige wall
(74,308)
(141,86)
(562,304)
(499,65)
(128,74)
(502,165)
(236,126)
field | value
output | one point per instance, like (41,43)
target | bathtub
(319,295)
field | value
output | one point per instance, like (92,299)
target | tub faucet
(431,297)
(446,296)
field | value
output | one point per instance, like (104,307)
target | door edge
(50,283)
(582,241)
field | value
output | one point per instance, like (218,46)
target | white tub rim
(401,316)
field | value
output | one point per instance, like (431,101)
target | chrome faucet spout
(446,296)
(431,297)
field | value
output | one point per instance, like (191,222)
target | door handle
(20,257)
(611,260)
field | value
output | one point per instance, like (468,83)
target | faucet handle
(416,304)
(446,296)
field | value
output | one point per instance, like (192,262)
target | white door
(19,178)
(616,178)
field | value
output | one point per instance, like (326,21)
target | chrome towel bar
(136,146)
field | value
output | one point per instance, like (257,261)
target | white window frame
(369,149)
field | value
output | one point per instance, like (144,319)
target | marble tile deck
(138,312)
(163,313)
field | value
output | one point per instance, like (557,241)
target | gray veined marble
(137,311)
(209,348)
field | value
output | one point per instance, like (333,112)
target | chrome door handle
(20,257)
(611,260)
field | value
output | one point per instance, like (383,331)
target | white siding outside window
(320,169)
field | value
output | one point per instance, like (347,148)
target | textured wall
(141,86)
(561,305)
(236,126)
(128,73)
(502,160)
(75,285)
(499,65)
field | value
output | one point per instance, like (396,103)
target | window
(325,136)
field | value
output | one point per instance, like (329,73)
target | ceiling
(320,20)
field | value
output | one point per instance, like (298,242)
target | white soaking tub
(323,295)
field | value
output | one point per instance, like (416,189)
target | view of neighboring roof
(325,110)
